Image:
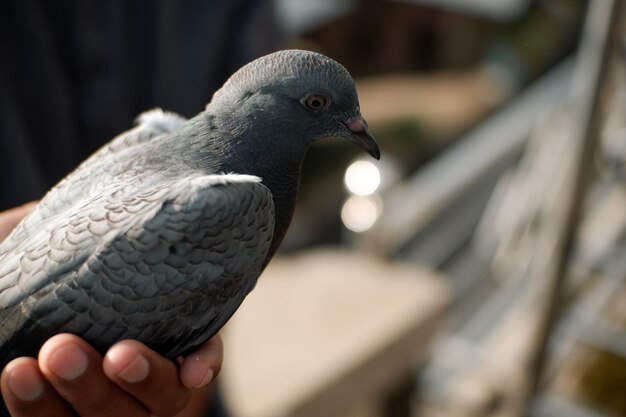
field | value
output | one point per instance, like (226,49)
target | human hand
(130,380)
(10,218)
(70,377)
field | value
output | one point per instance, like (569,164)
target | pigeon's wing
(167,267)
(90,174)
(150,124)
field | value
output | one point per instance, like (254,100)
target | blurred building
(484,111)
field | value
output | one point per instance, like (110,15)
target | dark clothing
(75,73)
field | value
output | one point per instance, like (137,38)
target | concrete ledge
(326,331)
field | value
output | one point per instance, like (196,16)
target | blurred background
(493,223)
(477,269)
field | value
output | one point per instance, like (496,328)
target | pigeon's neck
(220,145)
(276,158)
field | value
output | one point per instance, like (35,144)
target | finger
(26,392)
(202,366)
(147,376)
(75,370)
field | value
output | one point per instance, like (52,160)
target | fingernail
(25,383)
(68,362)
(197,377)
(136,371)
(207,378)
(127,364)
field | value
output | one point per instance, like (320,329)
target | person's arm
(10,218)
(70,377)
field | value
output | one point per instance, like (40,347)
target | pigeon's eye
(316,102)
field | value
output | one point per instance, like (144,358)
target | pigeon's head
(295,97)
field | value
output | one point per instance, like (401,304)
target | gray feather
(148,239)
(189,251)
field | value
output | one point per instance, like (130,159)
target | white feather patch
(160,120)
(223,179)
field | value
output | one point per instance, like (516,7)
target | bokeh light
(359,213)
(362,178)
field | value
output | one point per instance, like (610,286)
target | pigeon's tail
(19,336)
(17,340)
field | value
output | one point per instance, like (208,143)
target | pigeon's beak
(362,137)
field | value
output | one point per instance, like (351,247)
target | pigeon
(161,234)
